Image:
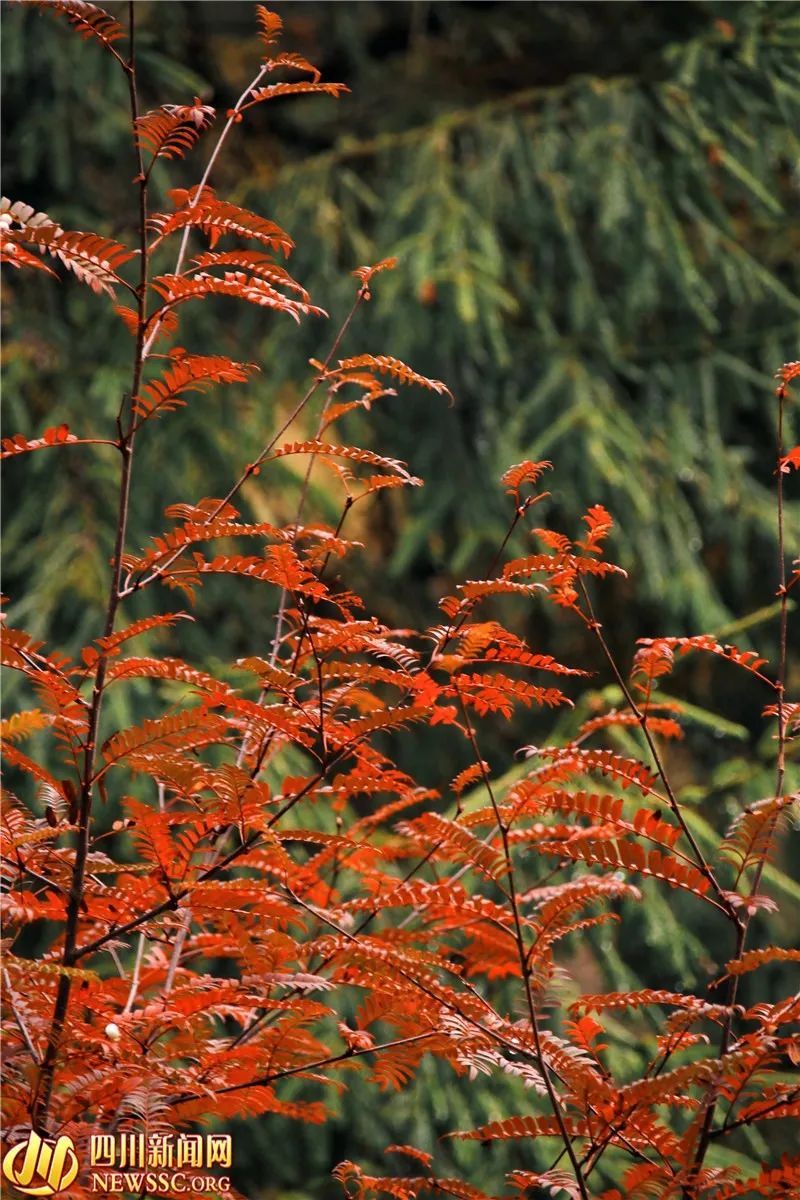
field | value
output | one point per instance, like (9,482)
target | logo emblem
(39,1169)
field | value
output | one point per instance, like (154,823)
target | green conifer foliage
(602,265)
(593,209)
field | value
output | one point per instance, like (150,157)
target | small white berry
(113,1032)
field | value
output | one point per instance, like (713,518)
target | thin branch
(250,842)
(468,606)
(332,1060)
(177,951)
(263,454)
(493,1034)
(281,615)
(706,1131)
(231,121)
(23,1028)
(137,967)
(171,903)
(729,1126)
(268,740)
(524,957)
(44,1086)
(263,1017)
(700,860)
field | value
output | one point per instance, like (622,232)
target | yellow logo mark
(55,1167)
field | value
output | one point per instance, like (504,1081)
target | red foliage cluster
(198,949)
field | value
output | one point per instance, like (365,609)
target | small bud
(113,1032)
(428,293)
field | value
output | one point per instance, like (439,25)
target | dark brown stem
(44,1087)
(729,1126)
(641,717)
(252,840)
(281,615)
(23,1028)
(215,153)
(258,1022)
(268,740)
(492,1033)
(306,632)
(707,1130)
(167,905)
(332,1060)
(158,571)
(456,623)
(524,958)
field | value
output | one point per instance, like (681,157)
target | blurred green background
(595,211)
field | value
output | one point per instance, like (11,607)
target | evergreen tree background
(595,210)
